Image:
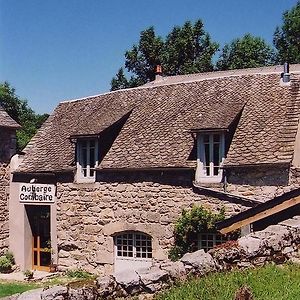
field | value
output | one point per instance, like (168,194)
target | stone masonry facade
(262,183)
(7,145)
(4,183)
(88,215)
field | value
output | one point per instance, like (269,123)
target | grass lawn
(10,288)
(267,283)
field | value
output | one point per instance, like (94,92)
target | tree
(287,37)
(186,49)
(246,52)
(19,110)
(119,81)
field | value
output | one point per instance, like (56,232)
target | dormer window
(210,156)
(87,159)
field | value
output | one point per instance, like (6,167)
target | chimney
(286,73)
(158,73)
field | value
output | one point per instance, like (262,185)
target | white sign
(32,192)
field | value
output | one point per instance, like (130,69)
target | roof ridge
(196,77)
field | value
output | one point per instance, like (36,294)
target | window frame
(217,239)
(143,238)
(81,149)
(201,173)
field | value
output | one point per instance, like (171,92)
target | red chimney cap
(158,70)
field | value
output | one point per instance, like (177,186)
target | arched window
(133,245)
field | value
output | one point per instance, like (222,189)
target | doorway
(39,220)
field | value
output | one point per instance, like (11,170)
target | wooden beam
(271,211)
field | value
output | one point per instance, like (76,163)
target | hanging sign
(33,192)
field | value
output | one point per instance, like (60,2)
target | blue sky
(54,50)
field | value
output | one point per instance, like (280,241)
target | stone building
(7,149)
(103,181)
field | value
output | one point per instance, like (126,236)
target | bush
(79,273)
(189,225)
(10,256)
(5,264)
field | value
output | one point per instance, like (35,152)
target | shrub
(28,274)
(10,256)
(189,225)
(79,273)
(5,264)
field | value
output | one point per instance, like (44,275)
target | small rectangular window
(87,159)
(207,241)
(210,155)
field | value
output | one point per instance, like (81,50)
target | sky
(57,50)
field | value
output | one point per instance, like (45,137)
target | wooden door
(39,216)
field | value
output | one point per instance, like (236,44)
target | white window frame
(208,240)
(201,175)
(80,152)
(122,247)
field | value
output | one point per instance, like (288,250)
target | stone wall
(261,183)
(4,183)
(88,215)
(277,243)
(7,149)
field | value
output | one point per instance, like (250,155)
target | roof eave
(224,226)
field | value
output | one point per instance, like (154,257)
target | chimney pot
(158,70)
(286,73)
(158,73)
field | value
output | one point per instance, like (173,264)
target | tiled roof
(51,149)
(268,125)
(6,120)
(157,132)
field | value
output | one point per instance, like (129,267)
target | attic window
(210,156)
(87,159)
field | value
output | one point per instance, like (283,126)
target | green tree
(19,110)
(287,37)
(246,52)
(186,49)
(119,81)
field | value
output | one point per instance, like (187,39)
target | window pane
(92,157)
(216,138)
(207,159)
(92,144)
(206,138)
(83,158)
(216,154)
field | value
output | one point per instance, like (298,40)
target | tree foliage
(186,49)
(246,52)
(19,110)
(142,58)
(189,225)
(287,37)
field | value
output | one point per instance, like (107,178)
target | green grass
(10,288)
(267,283)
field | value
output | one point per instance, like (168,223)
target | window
(210,156)
(87,159)
(207,241)
(133,245)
